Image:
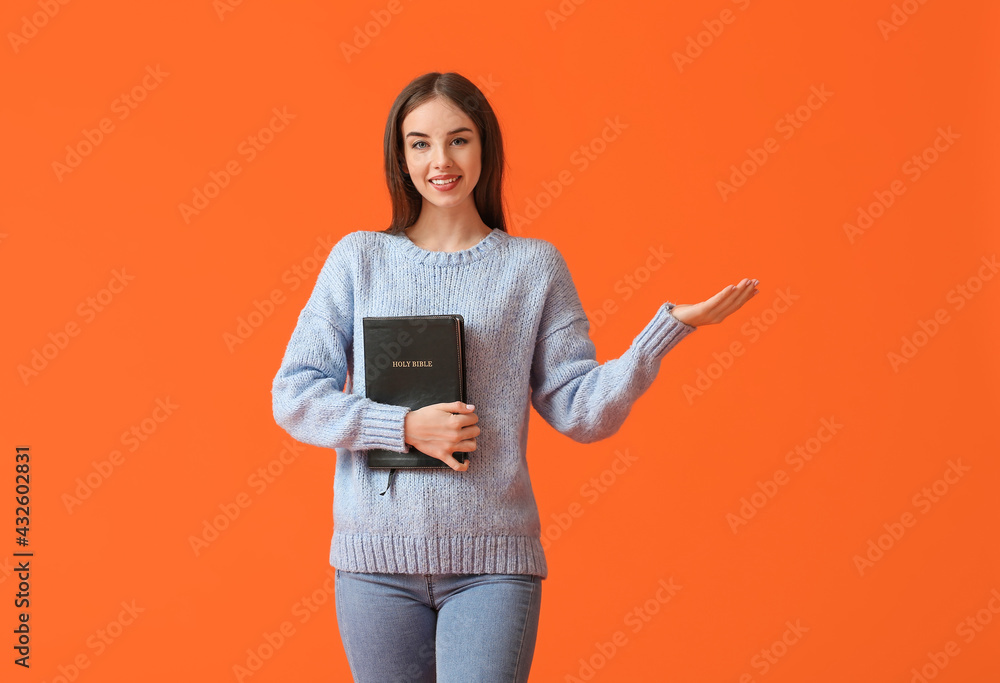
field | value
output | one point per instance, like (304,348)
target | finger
(734,303)
(712,307)
(707,308)
(730,289)
(468,432)
(455,464)
(740,290)
(443,451)
(733,300)
(749,290)
(725,302)
(744,285)
(731,293)
(457,407)
(465,420)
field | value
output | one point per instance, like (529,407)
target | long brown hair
(488,193)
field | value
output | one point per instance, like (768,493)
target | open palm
(716,309)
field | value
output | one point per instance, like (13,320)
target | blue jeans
(438,628)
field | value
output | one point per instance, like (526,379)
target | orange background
(653,185)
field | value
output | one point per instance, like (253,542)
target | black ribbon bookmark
(388,483)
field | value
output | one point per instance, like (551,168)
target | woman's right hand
(440,429)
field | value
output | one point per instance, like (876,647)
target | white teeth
(444,182)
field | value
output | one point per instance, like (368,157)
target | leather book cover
(414,361)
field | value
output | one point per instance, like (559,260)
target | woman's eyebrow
(450,132)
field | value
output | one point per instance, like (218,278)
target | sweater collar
(450,258)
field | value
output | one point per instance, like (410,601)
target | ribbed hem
(662,333)
(438,555)
(383,426)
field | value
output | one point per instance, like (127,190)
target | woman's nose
(441,158)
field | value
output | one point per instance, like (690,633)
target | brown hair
(488,193)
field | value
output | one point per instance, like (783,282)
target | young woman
(440,579)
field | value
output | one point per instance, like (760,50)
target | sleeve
(307,394)
(580,398)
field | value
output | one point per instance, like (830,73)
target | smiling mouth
(449,181)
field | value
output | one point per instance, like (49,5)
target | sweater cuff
(662,333)
(382,426)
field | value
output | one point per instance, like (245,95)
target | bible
(413,361)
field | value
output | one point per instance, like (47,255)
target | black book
(414,361)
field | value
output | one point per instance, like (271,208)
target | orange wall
(814,479)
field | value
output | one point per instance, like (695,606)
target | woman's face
(440,140)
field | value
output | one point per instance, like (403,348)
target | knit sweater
(527,340)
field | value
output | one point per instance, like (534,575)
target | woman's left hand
(716,309)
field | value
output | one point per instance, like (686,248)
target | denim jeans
(438,628)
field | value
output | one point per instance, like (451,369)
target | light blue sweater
(526,340)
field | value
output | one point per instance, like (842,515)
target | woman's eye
(421,142)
